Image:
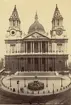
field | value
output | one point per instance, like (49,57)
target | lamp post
(70,80)
(18,85)
(46,82)
(24,82)
(53,88)
(61,83)
(10,82)
(18,66)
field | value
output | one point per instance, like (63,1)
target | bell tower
(14,19)
(57,24)
(14,30)
(57,20)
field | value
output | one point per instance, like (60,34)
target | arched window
(13,23)
(58,22)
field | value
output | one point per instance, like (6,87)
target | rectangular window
(13,23)
(58,22)
(12,48)
(59,45)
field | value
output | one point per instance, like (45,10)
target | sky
(27,9)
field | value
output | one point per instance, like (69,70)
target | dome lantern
(36,17)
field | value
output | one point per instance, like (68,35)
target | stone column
(53,47)
(46,47)
(65,63)
(39,63)
(26,47)
(9,51)
(45,64)
(41,47)
(48,64)
(24,64)
(65,48)
(23,47)
(54,64)
(33,47)
(33,63)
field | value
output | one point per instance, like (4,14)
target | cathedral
(35,51)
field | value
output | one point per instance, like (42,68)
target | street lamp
(10,82)
(18,85)
(24,82)
(46,82)
(53,88)
(18,66)
(70,79)
(61,83)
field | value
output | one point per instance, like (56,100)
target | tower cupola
(57,20)
(14,19)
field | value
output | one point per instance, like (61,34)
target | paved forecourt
(53,83)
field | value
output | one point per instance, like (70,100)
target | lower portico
(36,63)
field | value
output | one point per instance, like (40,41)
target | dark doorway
(22,69)
(50,69)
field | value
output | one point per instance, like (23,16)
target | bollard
(13,89)
(27,92)
(38,92)
(60,88)
(48,91)
(57,89)
(10,88)
(43,92)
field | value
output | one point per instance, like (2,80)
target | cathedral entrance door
(36,64)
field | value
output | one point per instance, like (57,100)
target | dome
(36,26)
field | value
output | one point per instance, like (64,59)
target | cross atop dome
(36,17)
(14,15)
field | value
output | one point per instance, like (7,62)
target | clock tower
(14,30)
(58,30)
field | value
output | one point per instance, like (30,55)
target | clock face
(59,31)
(13,32)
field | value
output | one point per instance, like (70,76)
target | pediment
(36,36)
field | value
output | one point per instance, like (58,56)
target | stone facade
(36,51)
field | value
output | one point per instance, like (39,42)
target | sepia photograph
(35,52)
